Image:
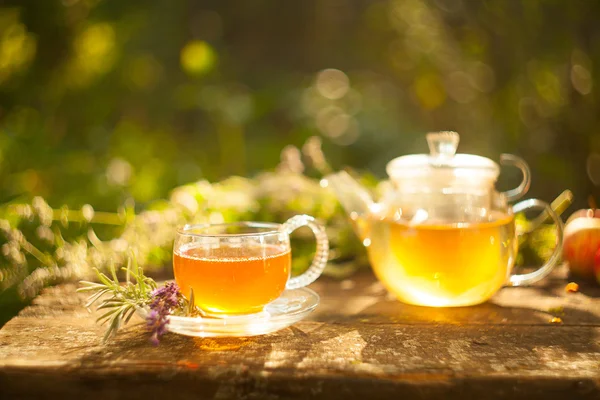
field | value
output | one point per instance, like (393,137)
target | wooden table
(358,344)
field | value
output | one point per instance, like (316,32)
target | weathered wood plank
(365,300)
(358,344)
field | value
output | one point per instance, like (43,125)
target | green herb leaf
(123,300)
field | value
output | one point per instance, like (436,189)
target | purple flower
(164,300)
(168,294)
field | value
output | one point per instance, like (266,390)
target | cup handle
(540,273)
(321,255)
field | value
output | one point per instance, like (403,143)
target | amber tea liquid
(232,280)
(437,264)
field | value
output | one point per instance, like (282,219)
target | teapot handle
(528,279)
(519,191)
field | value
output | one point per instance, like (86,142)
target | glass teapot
(442,235)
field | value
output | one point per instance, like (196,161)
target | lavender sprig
(164,301)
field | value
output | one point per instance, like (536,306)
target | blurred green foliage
(115,103)
(103,100)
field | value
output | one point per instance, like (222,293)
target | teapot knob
(442,144)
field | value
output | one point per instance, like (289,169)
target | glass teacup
(238,268)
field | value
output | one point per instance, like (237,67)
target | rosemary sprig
(123,299)
(189,308)
(120,300)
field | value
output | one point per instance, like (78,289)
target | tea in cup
(238,268)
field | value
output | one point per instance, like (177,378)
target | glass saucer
(291,307)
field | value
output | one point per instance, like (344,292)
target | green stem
(34,251)
(559,205)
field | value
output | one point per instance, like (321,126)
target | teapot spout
(353,197)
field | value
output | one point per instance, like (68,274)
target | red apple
(581,242)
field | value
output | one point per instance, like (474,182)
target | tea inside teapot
(440,263)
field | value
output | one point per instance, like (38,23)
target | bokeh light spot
(429,91)
(312,102)
(350,135)
(460,87)
(581,79)
(94,55)
(528,112)
(352,102)
(593,168)
(332,121)
(548,86)
(142,72)
(17,47)
(484,78)
(118,172)
(332,84)
(197,57)
(239,105)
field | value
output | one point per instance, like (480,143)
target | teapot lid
(442,165)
